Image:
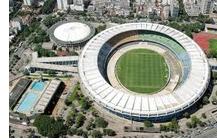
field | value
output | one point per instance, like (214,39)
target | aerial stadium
(143,71)
(72,34)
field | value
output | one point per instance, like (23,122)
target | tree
(203,115)
(109,132)
(79,132)
(85,103)
(50,20)
(44,52)
(205,100)
(72,131)
(100,122)
(163,128)
(79,121)
(186,115)
(67,102)
(48,6)
(96,134)
(195,121)
(100,28)
(172,126)
(49,127)
(148,123)
(90,124)
(188,124)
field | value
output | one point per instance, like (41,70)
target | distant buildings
(77,5)
(16,23)
(110,7)
(174,8)
(161,8)
(195,7)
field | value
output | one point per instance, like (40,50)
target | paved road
(212,133)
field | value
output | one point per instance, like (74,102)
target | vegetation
(80,132)
(204,19)
(90,124)
(79,121)
(49,127)
(194,122)
(72,131)
(205,100)
(39,36)
(27,30)
(172,126)
(50,20)
(148,123)
(96,134)
(44,52)
(100,122)
(187,28)
(85,103)
(186,115)
(109,132)
(203,115)
(100,28)
(48,6)
(70,120)
(213,48)
(182,13)
(143,73)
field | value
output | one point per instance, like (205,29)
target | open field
(142,71)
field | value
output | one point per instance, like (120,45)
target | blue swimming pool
(28,102)
(38,86)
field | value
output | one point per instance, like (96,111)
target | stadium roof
(71,32)
(154,105)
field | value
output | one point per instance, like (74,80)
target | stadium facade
(193,78)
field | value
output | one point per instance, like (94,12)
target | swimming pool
(28,102)
(38,86)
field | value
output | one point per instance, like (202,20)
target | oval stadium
(143,71)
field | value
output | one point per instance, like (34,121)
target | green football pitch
(142,71)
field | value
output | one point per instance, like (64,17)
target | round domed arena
(71,33)
(143,71)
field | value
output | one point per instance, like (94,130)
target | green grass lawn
(213,48)
(142,71)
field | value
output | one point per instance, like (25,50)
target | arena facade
(188,78)
(72,33)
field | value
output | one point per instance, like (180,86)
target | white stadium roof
(142,104)
(72,31)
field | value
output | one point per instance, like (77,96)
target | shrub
(79,121)
(109,132)
(186,115)
(96,134)
(72,131)
(203,115)
(49,127)
(188,124)
(79,132)
(100,122)
(148,123)
(205,100)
